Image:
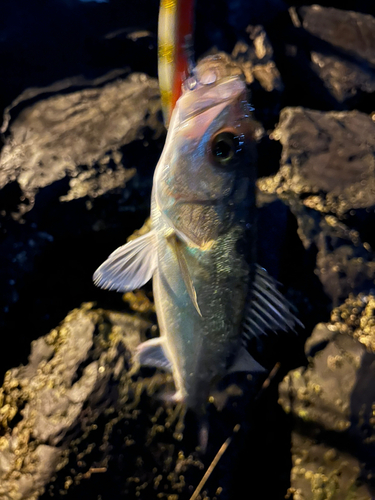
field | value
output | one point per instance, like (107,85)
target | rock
(79,416)
(344,265)
(36,51)
(364,6)
(327,153)
(256,61)
(326,175)
(331,402)
(321,471)
(323,61)
(75,164)
(55,137)
(342,59)
(71,380)
(340,28)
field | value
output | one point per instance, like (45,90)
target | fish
(210,295)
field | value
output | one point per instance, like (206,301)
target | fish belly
(201,347)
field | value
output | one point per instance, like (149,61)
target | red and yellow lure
(176,19)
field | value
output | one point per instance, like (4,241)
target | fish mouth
(225,91)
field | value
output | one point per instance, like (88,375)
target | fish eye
(224,147)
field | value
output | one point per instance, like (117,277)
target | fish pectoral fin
(151,353)
(130,266)
(244,362)
(267,308)
(176,244)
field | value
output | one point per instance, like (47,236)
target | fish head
(208,163)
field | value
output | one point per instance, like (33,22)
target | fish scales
(201,347)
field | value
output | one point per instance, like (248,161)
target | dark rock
(45,403)
(322,471)
(73,168)
(79,417)
(55,137)
(364,6)
(262,76)
(331,403)
(345,62)
(324,59)
(344,266)
(329,155)
(326,174)
(46,42)
(341,29)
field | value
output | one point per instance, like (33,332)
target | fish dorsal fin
(130,266)
(176,245)
(267,308)
(152,353)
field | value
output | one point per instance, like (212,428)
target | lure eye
(224,147)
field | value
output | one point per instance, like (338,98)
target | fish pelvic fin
(267,308)
(152,353)
(177,247)
(130,266)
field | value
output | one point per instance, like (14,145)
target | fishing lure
(175,53)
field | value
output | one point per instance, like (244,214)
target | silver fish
(209,294)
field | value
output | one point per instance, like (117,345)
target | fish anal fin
(151,353)
(244,362)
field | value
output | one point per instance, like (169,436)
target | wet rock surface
(81,135)
(327,152)
(78,415)
(325,57)
(71,379)
(326,178)
(331,402)
(63,156)
(64,136)
(342,52)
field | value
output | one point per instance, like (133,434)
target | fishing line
(215,461)
(223,448)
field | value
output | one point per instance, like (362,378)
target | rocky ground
(81,134)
